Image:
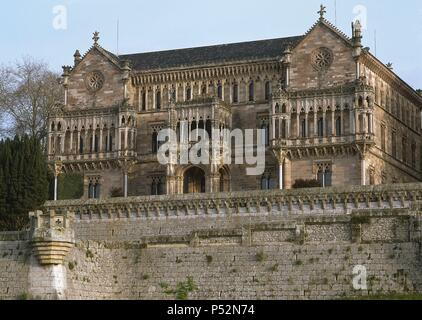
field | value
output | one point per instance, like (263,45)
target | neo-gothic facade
(331,110)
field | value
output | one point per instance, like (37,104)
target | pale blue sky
(26,26)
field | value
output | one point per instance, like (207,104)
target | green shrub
(303,184)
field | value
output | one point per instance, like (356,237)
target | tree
(23,180)
(29,93)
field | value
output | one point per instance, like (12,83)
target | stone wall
(300,248)
(14,265)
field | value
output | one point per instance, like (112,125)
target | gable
(308,69)
(95,82)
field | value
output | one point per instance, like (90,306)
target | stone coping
(412,191)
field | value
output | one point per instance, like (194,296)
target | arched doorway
(194,181)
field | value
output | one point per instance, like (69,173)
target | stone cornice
(197,73)
(389,76)
(331,201)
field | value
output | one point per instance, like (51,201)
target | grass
(261,256)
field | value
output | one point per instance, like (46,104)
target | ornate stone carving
(322,58)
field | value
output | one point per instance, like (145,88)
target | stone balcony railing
(322,141)
(100,156)
(309,202)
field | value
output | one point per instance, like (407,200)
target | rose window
(95,81)
(322,59)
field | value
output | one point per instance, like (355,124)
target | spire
(77,57)
(96,37)
(322,12)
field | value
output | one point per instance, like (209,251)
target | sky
(51,30)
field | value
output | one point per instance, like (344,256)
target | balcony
(366,138)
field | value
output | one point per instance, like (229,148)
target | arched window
(251,91)
(220,91)
(283,108)
(144,101)
(81,145)
(96,144)
(303,128)
(53,127)
(208,128)
(158,100)
(267,90)
(157,186)
(154,142)
(97,191)
(123,120)
(283,129)
(91,191)
(277,108)
(235,93)
(59,126)
(188,94)
(320,127)
(204,90)
(111,142)
(265,134)
(338,127)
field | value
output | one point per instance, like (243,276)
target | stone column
(298,124)
(281,175)
(363,171)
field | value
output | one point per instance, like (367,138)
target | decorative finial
(96,37)
(322,11)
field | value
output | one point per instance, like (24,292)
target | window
(265,134)
(404,150)
(94,190)
(393,144)
(204,90)
(144,101)
(188,94)
(81,145)
(267,90)
(382,137)
(265,182)
(324,175)
(251,92)
(157,186)
(235,93)
(158,100)
(320,127)
(414,155)
(283,129)
(220,91)
(303,128)
(154,142)
(338,127)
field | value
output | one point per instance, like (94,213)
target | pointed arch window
(158,100)
(338,127)
(251,91)
(235,93)
(267,90)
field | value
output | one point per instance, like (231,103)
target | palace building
(330,109)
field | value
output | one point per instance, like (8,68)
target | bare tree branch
(29,93)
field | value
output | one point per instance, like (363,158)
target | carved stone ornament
(94,81)
(322,59)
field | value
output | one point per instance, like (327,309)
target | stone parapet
(328,201)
